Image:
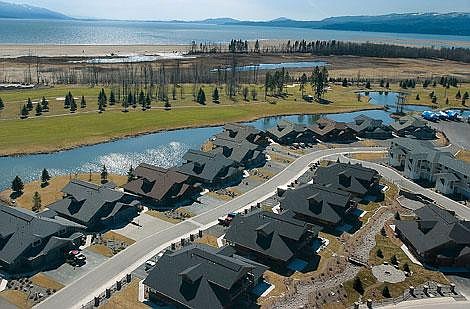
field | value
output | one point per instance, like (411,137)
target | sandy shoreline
(18,50)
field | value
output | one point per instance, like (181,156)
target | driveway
(143,226)
(456,132)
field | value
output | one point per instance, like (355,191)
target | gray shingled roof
(269,234)
(239,133)
(317,202)
(363,123)
(208,167)
(242,152)
(352,178)
(284,128)
(434,227)
(158,183)
(407,122)
(199,276)
(20,228)
(324,126)
(85,200)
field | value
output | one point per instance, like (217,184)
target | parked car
(149,264)
(225,221)
(75,258)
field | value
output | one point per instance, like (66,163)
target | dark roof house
(318,204)
(328,130)
(30,241)
(95,206)
(211,169)
(199,276)
(160,185)
(366,127)
(437,237)
(412,126)
(247,154)
(353,178)
(272,238)
(239,133)
(286,133)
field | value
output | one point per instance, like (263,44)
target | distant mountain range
(23,11)
(424,23)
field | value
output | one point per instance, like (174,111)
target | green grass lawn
(53,133)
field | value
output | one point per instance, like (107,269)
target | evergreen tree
(142,99)
(45,177)
(216,96)
(2,105)
(112,98)
(368,85)
(394,260)
(382,83)
(380,253)
(83,102)
(68,100)
(386,292)
(434,100)
(29,105)
(257,49)
(397,216)
(104,174)
(383,232)
(73,105)
(458,96)
(447,101)
(130,174)
(387,85)
(303,83)
(344,83)
(465,96)
(254,94)
(201,97)
(357,285)
(406,268)
(38,109)
(24,112)
(148,101)
(17,185)
(44,104)
(417,97)
(36,202)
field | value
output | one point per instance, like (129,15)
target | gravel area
(388,273)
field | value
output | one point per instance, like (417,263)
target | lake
(156,33)
(390,100)
(164,149)
(276,66)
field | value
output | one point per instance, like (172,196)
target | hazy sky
(242,9)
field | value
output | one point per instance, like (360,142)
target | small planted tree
(83,102)
(417,97)
(245,93)
(29,105)
(383,232)
(17,186)
(104,174)
(2,105)
(394,260)
(406,268)
(112,98)
(458,96)
(368,86)
(36,202)
(24,112)
(148,101)
(357,285)
(386,292)
(216,96)
(142,99)
(201,97)
(44,104)
(38,109)
(254,94)
(397,216)
(380,253)
(45,177)
(130,174)
(73,105)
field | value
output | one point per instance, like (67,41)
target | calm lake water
(390,100)
(280,65)
(164,149)
(128,33)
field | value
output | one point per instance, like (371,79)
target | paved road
(393,176)
(456,132)
(91,284)
(436,303)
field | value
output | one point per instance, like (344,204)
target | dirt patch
(46,282)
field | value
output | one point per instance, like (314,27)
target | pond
(276,66)
(390,100)
(164,149)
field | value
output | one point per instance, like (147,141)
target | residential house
(199,276)
(31,241)
(318,204)
(287,133)
(437,237)
(353,178)
(213,170)
(240,133)
(160,185)
(327,130)
(420,161)
(366,127)
(247,154)
(272,239)
(96,207)
(410,126)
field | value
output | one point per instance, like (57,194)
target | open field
(52,192)
(56,133)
